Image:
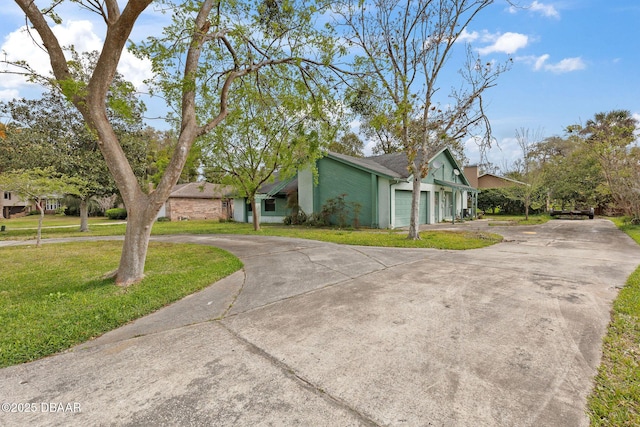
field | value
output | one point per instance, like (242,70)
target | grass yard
(31,221)
(615,399)
(364,237)
(55,296)
(25,228)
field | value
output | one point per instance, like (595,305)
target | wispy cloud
(466,36)
(506,43)
(544,9)
(540,63)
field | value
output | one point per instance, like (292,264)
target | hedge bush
(116,213)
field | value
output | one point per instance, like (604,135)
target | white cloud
(567,65)
(466,36)
(8,94)
(540,63)
(19,45)
(545,9)
(135,69)
(506,43)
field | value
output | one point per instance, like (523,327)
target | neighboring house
(13,205)
(380,185)
(487,180)
(198,200)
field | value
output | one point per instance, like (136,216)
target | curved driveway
(313,333)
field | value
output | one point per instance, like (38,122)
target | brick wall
(184,208)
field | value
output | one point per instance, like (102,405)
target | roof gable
(394,165)
(370,164)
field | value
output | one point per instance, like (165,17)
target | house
(380,187)
(272,199)
(198,200)
(12,205)
(487,180)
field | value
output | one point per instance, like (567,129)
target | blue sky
(572,59)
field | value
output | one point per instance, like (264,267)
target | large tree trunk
(40,219)
(414,223)
(84,215)
(255,207)
(140,219)
(134,249)
(91,102)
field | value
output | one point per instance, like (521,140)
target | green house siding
(446,172)
(357,185)
(280,207)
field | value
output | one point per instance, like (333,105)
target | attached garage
(403,208)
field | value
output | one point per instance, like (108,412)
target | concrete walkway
(318,334)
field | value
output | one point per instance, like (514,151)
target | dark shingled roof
(374,164)
(397,162)
(201,190)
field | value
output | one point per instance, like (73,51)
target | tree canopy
(273,131)
(402,49)
(196,61)
(38,185)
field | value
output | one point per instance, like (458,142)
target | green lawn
(615,399)
(364,237)
(31,221)
(55,296)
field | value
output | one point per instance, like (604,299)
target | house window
(7,195)
(52,204)
(249,207)
(270,205)
(224,205)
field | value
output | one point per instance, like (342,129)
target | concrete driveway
(318,334)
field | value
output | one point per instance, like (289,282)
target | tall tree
(572,176)
(208,47)
(532,173)
(49,131)
(38,185)
(611,138)
(349,144)
(376,122)
(402,49)
(273,131)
